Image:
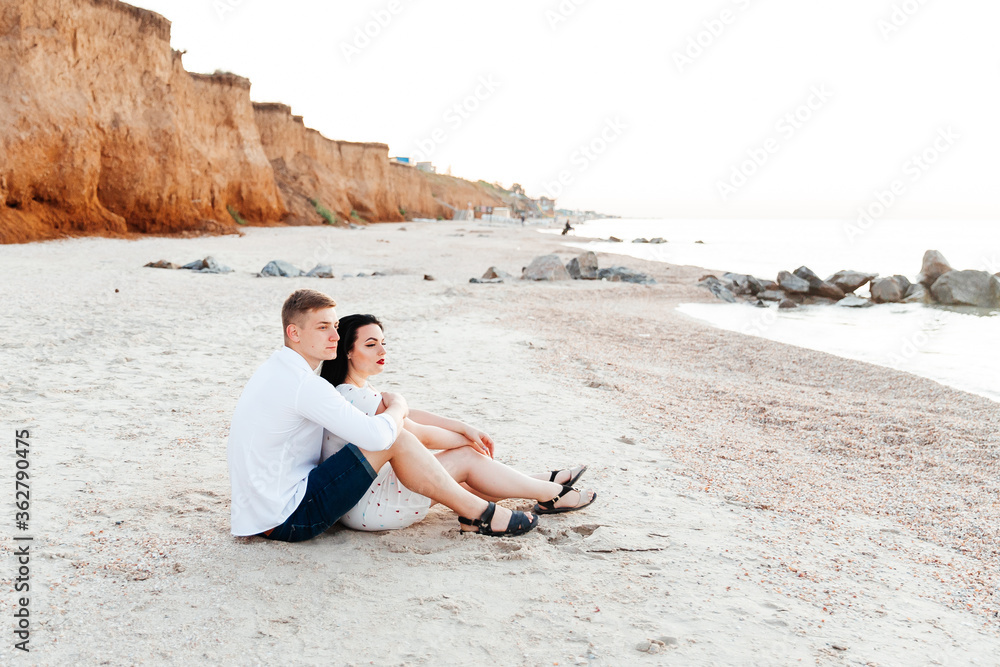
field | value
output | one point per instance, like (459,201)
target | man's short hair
(303,301)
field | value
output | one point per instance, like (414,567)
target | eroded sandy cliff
(344,176)
(102,131)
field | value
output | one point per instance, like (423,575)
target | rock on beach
(279,268)
(546,267)
(621,274)
(967,288)
(792,283)
(584,266)
(848,281)
(933,266)
(886,290)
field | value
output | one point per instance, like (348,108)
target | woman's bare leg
(422,472)
(434,437)
(491,479)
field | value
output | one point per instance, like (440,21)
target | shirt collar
(297,359)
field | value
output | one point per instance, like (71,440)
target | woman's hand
(481,442)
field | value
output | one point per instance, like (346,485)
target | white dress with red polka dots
(387,505)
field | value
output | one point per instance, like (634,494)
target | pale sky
(674,129)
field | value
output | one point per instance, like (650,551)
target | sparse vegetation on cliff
(236,215)
(324,212)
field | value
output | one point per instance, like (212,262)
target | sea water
(959,347)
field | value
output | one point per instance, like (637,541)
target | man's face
(315,336)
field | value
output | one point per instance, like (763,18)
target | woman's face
(367,357)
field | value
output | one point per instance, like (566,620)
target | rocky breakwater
(582,267)
(102,131)
(937,283)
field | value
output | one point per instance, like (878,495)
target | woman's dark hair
(335,371)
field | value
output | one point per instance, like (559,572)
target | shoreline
(755,498)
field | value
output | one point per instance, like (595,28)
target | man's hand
(481,442)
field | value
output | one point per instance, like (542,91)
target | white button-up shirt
(276,438)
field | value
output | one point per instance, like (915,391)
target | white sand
(759,503)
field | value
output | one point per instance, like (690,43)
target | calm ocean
(959,347)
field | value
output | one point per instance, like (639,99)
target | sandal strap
(484,519)
(551,504)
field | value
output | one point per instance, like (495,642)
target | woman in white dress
(466,453)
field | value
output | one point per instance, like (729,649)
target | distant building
(501,211)
(546,205)
(427,166)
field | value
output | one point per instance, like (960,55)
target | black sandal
(519,523)
(573,479)
(549,506)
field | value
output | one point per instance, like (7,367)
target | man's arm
(319,402)
(395,408)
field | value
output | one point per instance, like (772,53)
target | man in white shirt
(280,490)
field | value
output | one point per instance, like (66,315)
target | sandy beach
(760,504)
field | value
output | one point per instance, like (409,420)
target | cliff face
(102,131)
(344,176)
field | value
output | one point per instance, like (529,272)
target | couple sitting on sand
(372,469)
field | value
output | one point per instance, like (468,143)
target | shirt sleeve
(319,402)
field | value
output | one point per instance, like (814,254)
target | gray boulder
(615,239)
(848,281)
(903,282)
(583,267)
(743,283)
(767,284)
(640,240)
(486,280)
(718,288)
(967,288)
(546,267)
(787,303)
(934,266)
(619,274)
(792,283)
(818,286)
(771,295)
(321,271)
(886,290)
(854,301)
(658,239)
(917,293)
(279,268)
(207,265)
